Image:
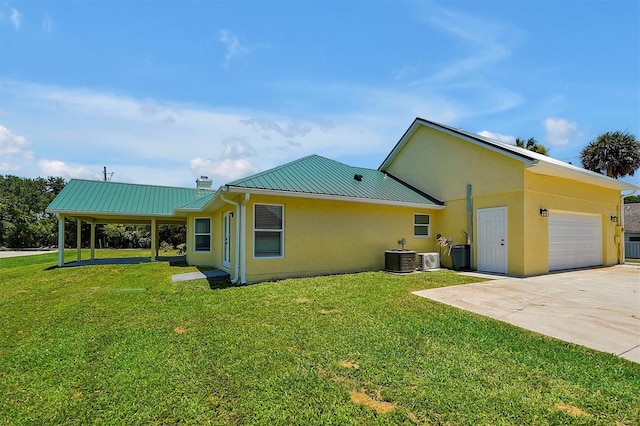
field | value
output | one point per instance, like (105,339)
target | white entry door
(492,240)
(226,242)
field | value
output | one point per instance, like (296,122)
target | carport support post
(79,238)
(60,240)
(154,250)
(93,240)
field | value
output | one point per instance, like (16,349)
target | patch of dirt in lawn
(349,364)
(179,330)
(23,291)
(570,409)
(349,383)
(303,300)
(76,395)
(329,311)
(413,417)
(362,398)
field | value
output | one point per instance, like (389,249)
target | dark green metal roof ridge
(138,184)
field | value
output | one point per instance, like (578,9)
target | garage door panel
(575,240)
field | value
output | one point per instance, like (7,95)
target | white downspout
(243,238)
(236,275)
(633,192)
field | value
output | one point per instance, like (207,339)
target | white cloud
(474,73)
(90,129)
(11,144)
(65,170)
(559,130)
(47,24)
(497,136)
(222,171)
(15,17)
(152,141)
(14,152)
(240,150)
(487,43)
(234,47)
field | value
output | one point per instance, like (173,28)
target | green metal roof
(318,175)
(92,196)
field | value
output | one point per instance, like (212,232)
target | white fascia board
(101,213)
(580,175)
(240,190)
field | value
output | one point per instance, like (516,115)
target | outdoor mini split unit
(428,261)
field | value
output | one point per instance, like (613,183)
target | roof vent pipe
(203,182)
(357,177)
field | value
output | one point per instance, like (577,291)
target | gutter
(375,201)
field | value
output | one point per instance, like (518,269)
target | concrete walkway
(596,308)
(215,274)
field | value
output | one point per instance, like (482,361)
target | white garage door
(575,240)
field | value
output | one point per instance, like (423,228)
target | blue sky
(162,92)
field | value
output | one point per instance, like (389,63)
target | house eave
(581,175)
(296,194)
(88,213)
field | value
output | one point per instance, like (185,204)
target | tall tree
(616,154)
(23,221)
(532,145)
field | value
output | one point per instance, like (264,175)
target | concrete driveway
(596,308)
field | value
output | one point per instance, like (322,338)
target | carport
(98,202)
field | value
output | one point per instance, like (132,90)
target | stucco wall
(326,237)
(213,257)
(442,165)
(559,194)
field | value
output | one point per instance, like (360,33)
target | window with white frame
(421,223)
(202,233)
(268,230)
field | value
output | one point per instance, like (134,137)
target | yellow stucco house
(524,213)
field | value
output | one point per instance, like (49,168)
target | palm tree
(616,154)
(532,145)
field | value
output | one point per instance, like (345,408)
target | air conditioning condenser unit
(427,261)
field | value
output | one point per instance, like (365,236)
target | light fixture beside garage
(544,212)
(614,218)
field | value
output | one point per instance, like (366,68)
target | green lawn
(121,344)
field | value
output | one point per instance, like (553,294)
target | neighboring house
(525,213)
(632,222)
(632,231)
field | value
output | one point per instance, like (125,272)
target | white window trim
(195,248)
(421,224)
(267,230)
